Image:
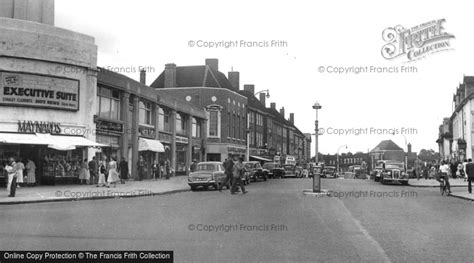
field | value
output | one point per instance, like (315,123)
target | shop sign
(163,137)
(146,132)
(236,150)
(109,127)
(180,139)
(28,90)
(39,127)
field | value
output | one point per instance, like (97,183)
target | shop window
(144,116)
(109,103)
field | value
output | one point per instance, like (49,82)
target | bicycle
(443,187)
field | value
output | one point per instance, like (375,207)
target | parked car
(207,174)
(394,172)
(356,172)
(273,170)
(291,170)
(255,171)
(329,172)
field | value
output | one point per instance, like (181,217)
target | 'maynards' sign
(416,42)
(39,127)
(27,90)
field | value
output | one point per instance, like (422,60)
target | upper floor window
(214,123)
(144,116)
(180,124)
(196,128)
(164,119)
(109,103)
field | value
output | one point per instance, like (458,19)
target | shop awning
(260,158)
(150,145)
(18,138)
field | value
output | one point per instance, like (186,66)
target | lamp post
(316,177)
(337,156)
(266,91)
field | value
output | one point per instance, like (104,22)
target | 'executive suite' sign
(28,90)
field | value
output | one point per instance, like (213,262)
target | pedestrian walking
(113,176)
(193,166)
(444,171)
(470,175)
(167,169)
(155,168)
(123,170)
(418,168)
(12,173)
(19,170)
(228,169)
(102,174)
(30,173)
(93,170)
(238,171)
(464,169)
(460,171)
(84,176)
(141,168)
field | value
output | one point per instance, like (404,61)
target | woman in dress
(102,172)
(113,177)
(31,173)
(84,175)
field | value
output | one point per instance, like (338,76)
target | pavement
(69,192)
(458,187)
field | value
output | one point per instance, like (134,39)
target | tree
(428,155)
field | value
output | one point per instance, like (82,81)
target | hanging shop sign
(39,127)
(29,90)
(164,137)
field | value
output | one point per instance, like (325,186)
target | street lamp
(317,176)
(266,91)
(337,156)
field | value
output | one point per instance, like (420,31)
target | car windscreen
(394,166)
(206,167)
(269,166)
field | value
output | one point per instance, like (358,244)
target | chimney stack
(213,63)
(282,112)
(292,118)
(143,76)
(273,105)
(170,75)
(262,98)
(250,88)
(234,79)
(409,147)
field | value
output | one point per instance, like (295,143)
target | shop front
(149,148)
(109,133)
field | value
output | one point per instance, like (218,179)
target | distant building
(388,150)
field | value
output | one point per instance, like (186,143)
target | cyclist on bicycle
(444,169)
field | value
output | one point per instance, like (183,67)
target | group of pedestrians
(455,169)
(19,174)
(234,171)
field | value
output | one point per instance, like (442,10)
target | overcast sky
(328,34)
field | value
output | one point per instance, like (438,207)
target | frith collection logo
(416,42)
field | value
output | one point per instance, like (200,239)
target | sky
(311,41)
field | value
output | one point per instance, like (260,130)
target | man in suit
(229,168)
(12,174)
(470,175)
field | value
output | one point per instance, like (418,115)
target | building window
(196,128)
(214,122)
(229,127)
(144,116)
(164,120)
(180,124)
(109,103)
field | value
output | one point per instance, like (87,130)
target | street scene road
(363,221)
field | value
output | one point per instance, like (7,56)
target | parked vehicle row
(212,174)
(390,171)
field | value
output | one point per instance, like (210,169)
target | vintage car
(329,172)
(273,170)
(292,170)
(207,174)
(356,172)
(255,171)
(394,172)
